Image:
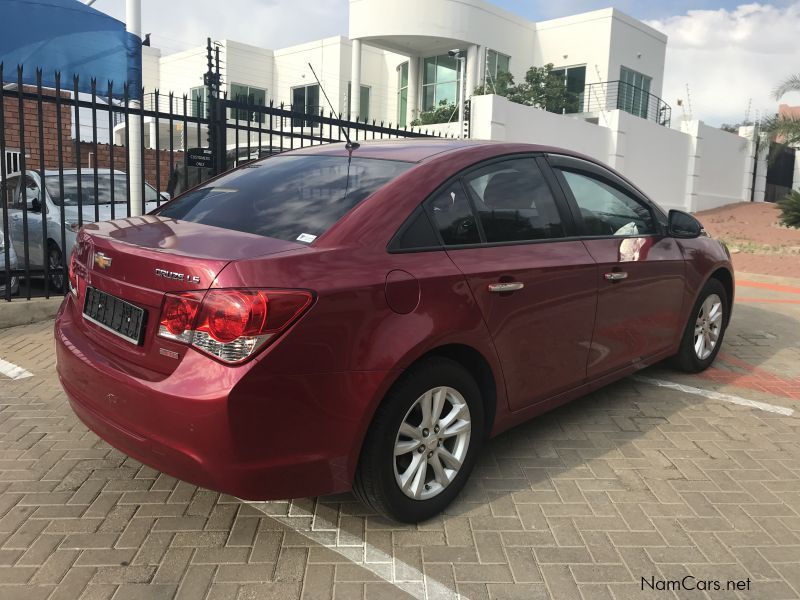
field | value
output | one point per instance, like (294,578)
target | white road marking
(687,389)
(13,371)
(358,551)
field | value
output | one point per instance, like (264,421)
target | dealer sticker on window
(306,237)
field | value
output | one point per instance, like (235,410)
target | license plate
(114,314)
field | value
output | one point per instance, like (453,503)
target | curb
(22,312)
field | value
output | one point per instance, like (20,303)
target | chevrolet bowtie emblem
(101,260)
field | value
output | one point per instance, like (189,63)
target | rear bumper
(239,430)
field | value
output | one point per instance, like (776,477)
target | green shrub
(790,209)
(444,113)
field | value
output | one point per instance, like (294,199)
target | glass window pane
(446,69)
(312,98)
(502,63)
(576,79)
(429,72)
(402,79)
(491,63)
(402,107)
(453,216)
(446,92)
(606,210)
(514,202)
(364,102)
(428,96)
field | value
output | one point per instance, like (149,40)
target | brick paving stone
(631,481)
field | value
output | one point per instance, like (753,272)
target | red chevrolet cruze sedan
(363,318)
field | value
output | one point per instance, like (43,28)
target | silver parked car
(28,189)
(13,281)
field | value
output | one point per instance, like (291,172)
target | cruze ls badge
(166,274)
(101,260)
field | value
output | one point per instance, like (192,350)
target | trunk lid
(141,258)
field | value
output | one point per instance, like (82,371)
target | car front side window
(606,210)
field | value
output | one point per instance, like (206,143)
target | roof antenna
(350,145)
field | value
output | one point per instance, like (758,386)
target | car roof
(421,149)
(408,149)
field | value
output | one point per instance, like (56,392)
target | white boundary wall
(696,168)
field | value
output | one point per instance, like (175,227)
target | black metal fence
(65,160)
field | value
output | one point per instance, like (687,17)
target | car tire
(54,262)
(708,320)
(436,382)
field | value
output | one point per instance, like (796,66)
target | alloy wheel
(432,443)
(55,268)
(708,326)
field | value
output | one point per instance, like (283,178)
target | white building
(397,55)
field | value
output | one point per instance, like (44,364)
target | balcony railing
(618,95)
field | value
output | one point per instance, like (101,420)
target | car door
(640,270)
(505,230)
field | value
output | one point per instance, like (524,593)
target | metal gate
(65,160)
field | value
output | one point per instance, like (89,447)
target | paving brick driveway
(635,481)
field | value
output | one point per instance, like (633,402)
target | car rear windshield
(295,198)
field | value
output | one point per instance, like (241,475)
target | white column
(355,81)
(473,59)
(461,94)
(133,24)
(796,176)
(413,88)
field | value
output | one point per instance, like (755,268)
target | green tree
(542,88)
(785,127)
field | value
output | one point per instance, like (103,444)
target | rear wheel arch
(477,365)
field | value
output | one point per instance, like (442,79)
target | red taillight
(178,314)
(229,315)
(72,276)
(231,324)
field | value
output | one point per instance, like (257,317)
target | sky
(730,54)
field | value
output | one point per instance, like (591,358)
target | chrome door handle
(512,286)
(616,276)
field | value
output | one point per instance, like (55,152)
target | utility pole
(133,24)
(458,55)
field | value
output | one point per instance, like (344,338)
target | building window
(439,82)
(633,95)
(305,99)
(402,94)
(199,96)
(252,96)
(364,106)
(496,63)
(574,79)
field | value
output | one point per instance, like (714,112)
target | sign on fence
(200,157)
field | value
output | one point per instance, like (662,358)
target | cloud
(178,24)
(728,57)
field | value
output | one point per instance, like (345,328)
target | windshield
(87,189)
(293,198)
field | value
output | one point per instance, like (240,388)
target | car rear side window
(514,202)
(453,216)
(294,198)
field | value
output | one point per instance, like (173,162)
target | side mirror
(34,205)
(683,225)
